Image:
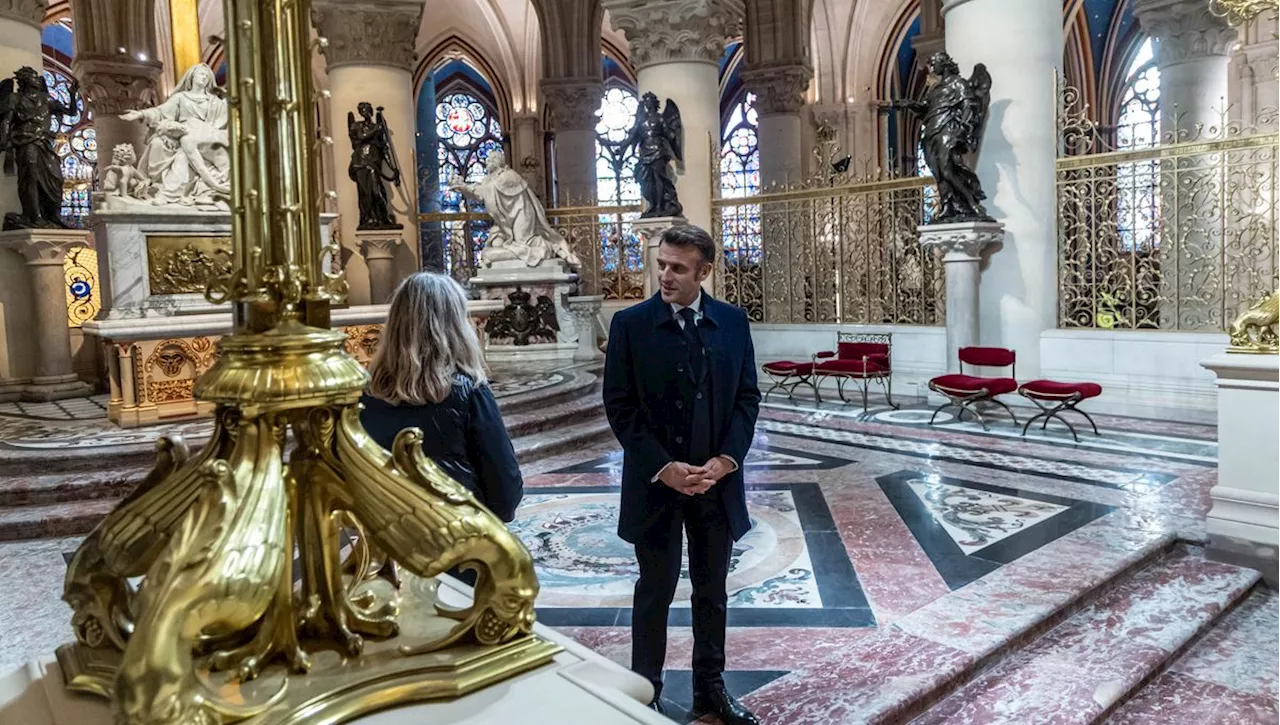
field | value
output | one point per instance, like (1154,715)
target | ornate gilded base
(339,690)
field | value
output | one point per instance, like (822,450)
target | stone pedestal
(155,261)
(378,247)
(650,232)
(1242,524)
(535,322)
(44,251)
(586,317)
(962,244)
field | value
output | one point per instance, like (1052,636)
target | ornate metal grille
(1176,235)
(836,254)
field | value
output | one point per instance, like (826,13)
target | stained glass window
(930,192)
(76,144)
(468,131)
(616,182)
(1138,126)
(740,177)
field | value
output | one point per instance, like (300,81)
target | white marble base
(121,236)
(586,315)
(551,278)
(1242,525)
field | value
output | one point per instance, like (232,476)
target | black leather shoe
(716,700)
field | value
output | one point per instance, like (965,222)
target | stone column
(378,247)
(19,46)
(526,152)
(675,47)
(780,93)
(571,105)
(1017,163)
(962,244)
(370,57)
(118,68)
(1252,75)
(931,38)
(44,251)
(1192,48)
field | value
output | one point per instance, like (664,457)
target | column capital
(40,247)
(29,12)
(961,241)
(779,87)
(372,32)
(1184,29)
(571,103)
(379,243)
(115,84)
(662,31)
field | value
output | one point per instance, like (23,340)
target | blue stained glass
(741,229)
(76,144)
(1138,183)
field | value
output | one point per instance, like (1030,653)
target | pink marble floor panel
(1242,651)
(1013,599)
(874,680)
(1175,698)
(1089,662)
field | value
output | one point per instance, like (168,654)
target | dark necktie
(694,340)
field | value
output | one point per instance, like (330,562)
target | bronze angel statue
(953,115)
(658,139)
(26,115)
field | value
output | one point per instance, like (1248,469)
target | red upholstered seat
(970,384)
(788,367)
(1055,389)
(873,365)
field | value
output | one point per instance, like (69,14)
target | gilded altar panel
(155,378)
(184,264)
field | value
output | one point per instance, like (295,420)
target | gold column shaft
(184,27)
(273,137)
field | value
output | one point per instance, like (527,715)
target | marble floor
(890,558)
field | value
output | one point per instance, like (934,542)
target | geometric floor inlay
(790,569)
(977,519)
(761,456)
(969,529)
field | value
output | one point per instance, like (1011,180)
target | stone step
(1081,669)
(53,488)
(1229,675)
(554,416)
(549,443)
(47,521)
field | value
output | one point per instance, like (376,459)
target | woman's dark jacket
(464,435)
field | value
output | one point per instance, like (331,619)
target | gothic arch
(457,48)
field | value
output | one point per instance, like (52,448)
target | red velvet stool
(789,375)
(1055,398)
(966,391)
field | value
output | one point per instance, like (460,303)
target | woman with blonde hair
(428,373)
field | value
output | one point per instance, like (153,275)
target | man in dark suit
(680,392)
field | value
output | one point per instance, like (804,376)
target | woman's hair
(427,340)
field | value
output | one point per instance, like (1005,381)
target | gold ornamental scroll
(220,630)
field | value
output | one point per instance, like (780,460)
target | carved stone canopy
(30,12)
(368,33)
(661,31)
(779,88)
(571,103)
(1184,29)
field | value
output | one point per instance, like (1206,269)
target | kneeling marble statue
(520,228)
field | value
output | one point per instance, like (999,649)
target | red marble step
(1081,669)
(49,521)
(53,488)
(1230,675)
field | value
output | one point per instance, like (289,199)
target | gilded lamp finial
(219,628)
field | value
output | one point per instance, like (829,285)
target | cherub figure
(122,177)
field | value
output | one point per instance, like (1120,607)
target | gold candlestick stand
(217,631)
